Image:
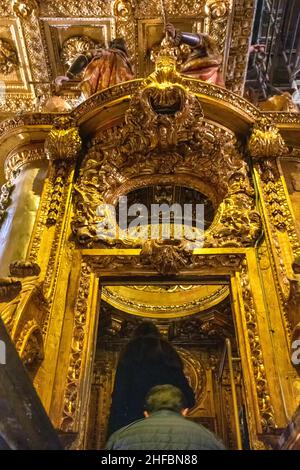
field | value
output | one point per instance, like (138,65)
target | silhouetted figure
(146,361)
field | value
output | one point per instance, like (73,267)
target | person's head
(118,43)
(146,328)
(165,397)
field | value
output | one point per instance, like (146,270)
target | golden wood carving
(164,257)
(265,140)
(24,8)
(63,141)
(5,194)
(16,160)
(74,46)
(8,58)
(264,399)
(30,345)
(152,143)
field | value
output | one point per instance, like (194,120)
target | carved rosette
(8,57)
(266,140)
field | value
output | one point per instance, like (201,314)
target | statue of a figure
(102,68)
(204,61)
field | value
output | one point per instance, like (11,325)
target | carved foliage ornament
(266,140)
(8,57)
(63,141)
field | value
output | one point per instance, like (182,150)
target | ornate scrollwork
(266,140)
(60,174)
(239,223)
(165,133)
(8,57)
(61,146)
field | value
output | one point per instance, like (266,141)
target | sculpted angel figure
(102,68)
(204,61)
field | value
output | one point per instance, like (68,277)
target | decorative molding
(165,258)
(264,401)
(71,394)
(61,171)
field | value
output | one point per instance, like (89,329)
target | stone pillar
(17,226)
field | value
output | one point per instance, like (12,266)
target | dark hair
(146,328)
(164,397)
(118,43)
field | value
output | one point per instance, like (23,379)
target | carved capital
(63,141)
(266,140)
(9,289)
(24,269)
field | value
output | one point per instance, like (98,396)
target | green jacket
(164,430)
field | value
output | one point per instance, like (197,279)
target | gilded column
(21,194)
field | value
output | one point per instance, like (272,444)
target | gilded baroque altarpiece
(211,141)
